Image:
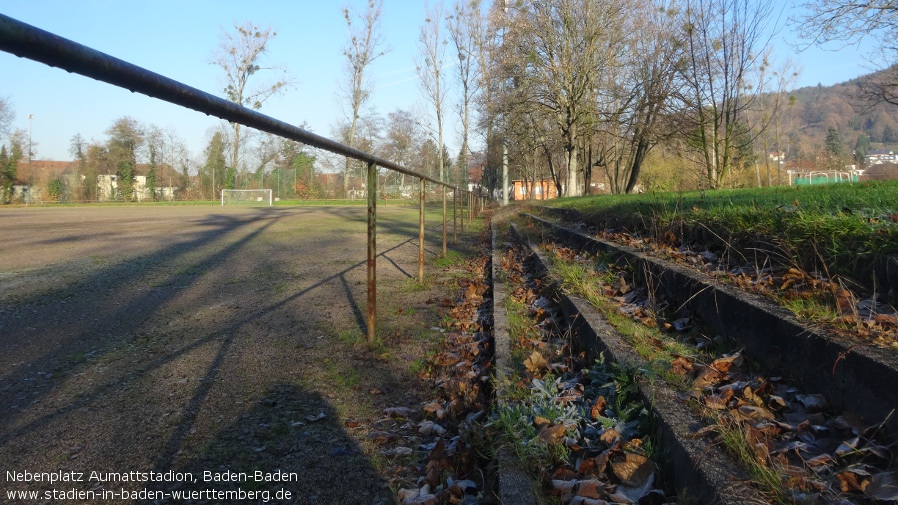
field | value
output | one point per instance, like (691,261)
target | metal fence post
(372,252)
(471,214)
(421,236)
(461,210)
(455,215)
(444,221)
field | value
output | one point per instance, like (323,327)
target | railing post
(444,220)
(455,215)
(421,236)
(461,210)
(471,214)
(372,252)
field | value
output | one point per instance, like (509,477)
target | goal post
(247,197)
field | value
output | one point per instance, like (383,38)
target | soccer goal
(246,197)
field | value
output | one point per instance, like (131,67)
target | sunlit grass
(840,228)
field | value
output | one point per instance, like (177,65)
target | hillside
(814,109)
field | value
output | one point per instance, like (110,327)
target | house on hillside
(880,156)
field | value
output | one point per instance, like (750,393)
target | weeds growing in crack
(579,428)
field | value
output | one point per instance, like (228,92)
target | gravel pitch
(200,349)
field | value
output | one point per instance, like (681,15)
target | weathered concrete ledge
(514,484)
(698,468)
(853,376)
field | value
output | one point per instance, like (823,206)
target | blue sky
(177,38)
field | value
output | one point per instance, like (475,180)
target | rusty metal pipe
(421,235)
(444,221)
(27,41)
(372,252)
(455,215)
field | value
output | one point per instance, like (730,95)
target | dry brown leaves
(820,453)
(861,317)
(446,470)
(605,465)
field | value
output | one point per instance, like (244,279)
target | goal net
(246,197)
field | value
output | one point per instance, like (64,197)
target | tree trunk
(573,188)
(642,148)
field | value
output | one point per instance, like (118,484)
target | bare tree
(849,21)
(240,54)
(562,46)
(726,41)
(430,62)
(466,26)
(632,95)
(364,47)
(764,122)
(402,137)
(6,115)
(491,71)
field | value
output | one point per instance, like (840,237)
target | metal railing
(26,41)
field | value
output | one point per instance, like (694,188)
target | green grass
(766,475)
(842,229)
(452,258)
(656,348)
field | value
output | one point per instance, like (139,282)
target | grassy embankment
(843,230)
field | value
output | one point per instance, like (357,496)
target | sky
(177,39)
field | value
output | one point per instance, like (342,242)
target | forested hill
(814,109)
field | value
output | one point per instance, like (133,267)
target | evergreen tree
(151,175)
(861,148)
(5,185)
(213,171)
(888,135)
(9,163)
(55,189)
(833,143)
(125,180)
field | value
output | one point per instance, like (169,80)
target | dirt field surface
(205,350)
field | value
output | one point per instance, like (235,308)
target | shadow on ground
(285,449)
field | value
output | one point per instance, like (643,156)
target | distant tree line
(591,95)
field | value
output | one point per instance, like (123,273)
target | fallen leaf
(609,436)
(681,365)
(313,419)
(884,487)
(398,412)
(812,403)
(540,421)
(564,473)
(591,488)
(634,470)
(536,363)
(845,301)
(597,408)
(728,363)
(708,376)
(551,435)
(752,413)
(426,428)
(853,479)
(382,437)
(563,486)
(587,466)
(628,494)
